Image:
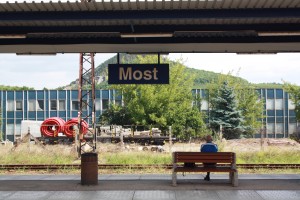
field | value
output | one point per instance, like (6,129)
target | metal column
(86,97)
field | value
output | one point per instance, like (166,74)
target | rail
(137,166)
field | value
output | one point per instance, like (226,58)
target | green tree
(252,110)
(248,101)
(164,105)
(116,115)
(294,93)
(225,113)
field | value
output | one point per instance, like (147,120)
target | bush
(295,136)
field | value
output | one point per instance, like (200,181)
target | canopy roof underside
(241,26)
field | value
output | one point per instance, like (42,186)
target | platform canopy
(166,26)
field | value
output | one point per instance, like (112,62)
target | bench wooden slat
(205,161)
(218,154)
(199,157)
(205,169)
(205,157)
(224,157)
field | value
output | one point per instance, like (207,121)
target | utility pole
(86,97)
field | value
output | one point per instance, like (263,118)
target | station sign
(138,74)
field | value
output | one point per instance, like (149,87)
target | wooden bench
(226,162)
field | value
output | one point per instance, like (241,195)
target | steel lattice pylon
(86,97)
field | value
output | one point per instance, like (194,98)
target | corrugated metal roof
(28,6)
(112,6)
(149,22)
(194,26)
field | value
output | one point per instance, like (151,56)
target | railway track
(106,166)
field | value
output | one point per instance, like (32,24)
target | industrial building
(39,105)
(280,118)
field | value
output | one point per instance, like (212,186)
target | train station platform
(150,187)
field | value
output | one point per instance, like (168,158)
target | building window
(270,128)
(75,105)
(118,102)
(84,105)
(279,94)
(62,105)
(10,129)
(292,113)
(18,129)
(270,104)
(279,104)
(279,128)
(292,128)
(10,105)
(19,105)
(271,119)
(291,104)
(105,103)
(40,104)
(204,105)
(279,119)
(53,105)
(270,113)
(279,113)
(105,94)
(270,93)
(292,119)
(31,105)
(97,104)
(204,93)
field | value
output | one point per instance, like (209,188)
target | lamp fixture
(12,36)
(279,33)
(36,54)
(145,35)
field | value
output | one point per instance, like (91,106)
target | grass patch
(146,158)
(33,154)
(271,155)
(111,154)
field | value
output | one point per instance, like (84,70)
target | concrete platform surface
(150,187)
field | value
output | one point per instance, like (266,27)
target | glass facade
(39,105)
(280,119)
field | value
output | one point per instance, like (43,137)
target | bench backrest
(199,157)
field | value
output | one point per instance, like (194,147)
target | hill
(14,88)
(101,72)
(269,85)
(202,77)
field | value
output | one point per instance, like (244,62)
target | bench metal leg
(174,178)
(234,180)
(230,176)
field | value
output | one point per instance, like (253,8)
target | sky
(53,71)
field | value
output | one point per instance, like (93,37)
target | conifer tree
(225,113)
